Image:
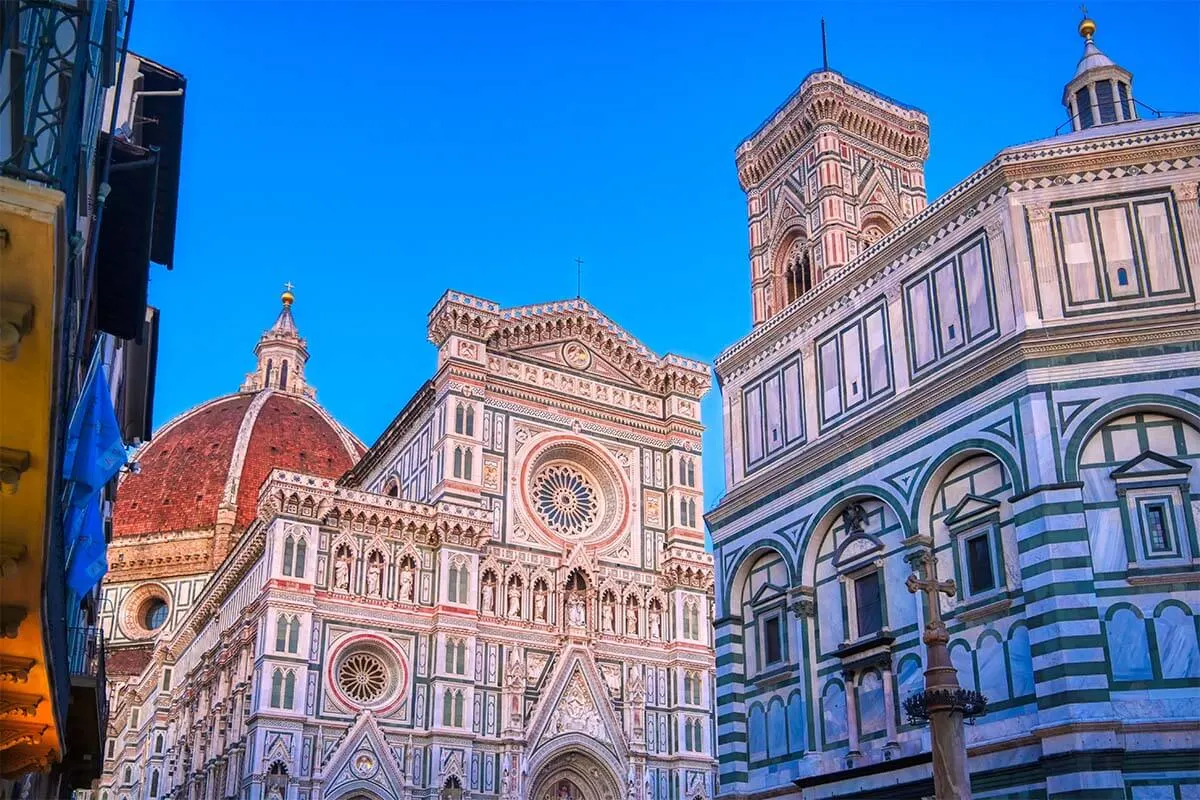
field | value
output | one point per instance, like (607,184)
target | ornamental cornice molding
(974,195)
(533,407)
(827,98)
(576,387)
(506,328)
(322,502)
(977,370)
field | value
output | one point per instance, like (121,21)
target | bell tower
(832,170)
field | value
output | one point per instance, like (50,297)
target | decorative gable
(970,507)
(582,707)
(1151,464)
(575,356)
(856,548)
(363,761)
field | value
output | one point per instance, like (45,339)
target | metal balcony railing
(44,62)
(85,656)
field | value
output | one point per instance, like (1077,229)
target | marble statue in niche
(406,582)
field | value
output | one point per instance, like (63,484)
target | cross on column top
(928,584)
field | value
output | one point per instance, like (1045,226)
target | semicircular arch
(1167,404)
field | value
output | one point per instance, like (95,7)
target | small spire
(1087,26)
(282,354)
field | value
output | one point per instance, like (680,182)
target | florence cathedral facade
(507,596)
(1004,382)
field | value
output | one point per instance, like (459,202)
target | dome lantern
(1101,92)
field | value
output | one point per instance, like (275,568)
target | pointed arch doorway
(575,775)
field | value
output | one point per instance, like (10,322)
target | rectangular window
(793,415)
(1083,105)
(854,389)
(875,325)
(1104,99)
(166,679)
(772,640)
(1119,264)
(134,718)
(774,404)
(922,324)
(831,386)
(1156,528)
(950,329)
(1076,230)
(977,292)
(754,424)
(1155,228)
(868,604)
(980,574)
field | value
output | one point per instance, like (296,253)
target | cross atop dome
(282,354)
(1101,92)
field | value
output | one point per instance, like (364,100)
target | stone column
(1045,269)
(851,712)
(1189,219)
(889,701)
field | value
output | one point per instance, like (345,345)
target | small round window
(154,613)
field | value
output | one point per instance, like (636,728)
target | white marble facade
(1009,378)
(507,597)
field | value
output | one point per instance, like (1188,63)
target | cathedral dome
(203,469)
(216,456)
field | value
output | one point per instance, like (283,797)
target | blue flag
(94,455)
(95,452)
(89,553)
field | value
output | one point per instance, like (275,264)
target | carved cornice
(828,98)
(506,328)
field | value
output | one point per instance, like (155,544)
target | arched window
(289,552)
(281,632)
(283,376)
(797,274)
(459,418)
(301,551)
(458,709)
(128,775)
(267,377)
(691,472)
(458,462)
(683,514)
(683,470)
(276,688)
(448,708)
(691,512)
(293,643)
(158,743)
(467,456)
(464,577)
(469,429)
(691,619)
(289,690)
(154,784)
(452,584)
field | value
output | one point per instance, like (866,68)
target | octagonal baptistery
(197,490)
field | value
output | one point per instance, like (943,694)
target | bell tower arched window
(797,274)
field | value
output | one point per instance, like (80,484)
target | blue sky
(377,154)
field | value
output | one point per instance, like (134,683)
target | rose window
(565,500)
(363,677)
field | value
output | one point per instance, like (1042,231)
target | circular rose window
(367,674)
(362,677)
(565,499)
(573,490)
